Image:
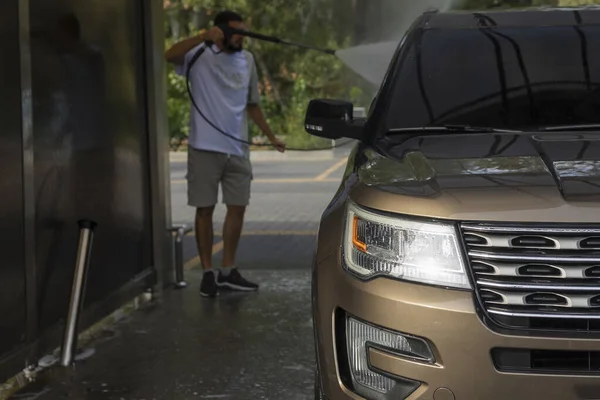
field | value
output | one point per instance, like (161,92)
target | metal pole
(180,232)
(179,278)
(69,345)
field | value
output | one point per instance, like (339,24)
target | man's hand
(278,144)
(214,34)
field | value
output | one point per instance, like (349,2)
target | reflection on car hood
(483,176)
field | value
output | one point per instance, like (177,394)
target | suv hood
(549,177)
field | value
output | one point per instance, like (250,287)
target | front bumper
(447,319)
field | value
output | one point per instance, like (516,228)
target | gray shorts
(206,170)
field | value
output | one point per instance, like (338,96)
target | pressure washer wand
(306,46)
(228,31)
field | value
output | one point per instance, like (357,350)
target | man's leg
(204,173)
(232,230)
(236,195)
(205,235)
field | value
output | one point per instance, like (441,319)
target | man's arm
(176,54)
(256,114)
(253,107)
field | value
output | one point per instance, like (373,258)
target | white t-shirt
(223,85)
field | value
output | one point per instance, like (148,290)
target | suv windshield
(507,78)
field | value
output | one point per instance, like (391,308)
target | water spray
(228,32)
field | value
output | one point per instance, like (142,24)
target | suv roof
(548,16)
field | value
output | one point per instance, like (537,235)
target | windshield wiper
(450,128)
(590,127)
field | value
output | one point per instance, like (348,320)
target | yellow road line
(217,247)
(273,180)
(327,173)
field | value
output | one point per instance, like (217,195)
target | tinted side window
(504,77)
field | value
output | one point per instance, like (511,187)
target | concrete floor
(257,346)
(236,347)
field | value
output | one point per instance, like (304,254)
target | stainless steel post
(179,278)
(69,345)
(180,232)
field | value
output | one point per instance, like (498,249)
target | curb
(181,156)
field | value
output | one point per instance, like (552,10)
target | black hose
(195,58)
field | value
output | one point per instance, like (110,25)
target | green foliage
(289,77)
(178,110)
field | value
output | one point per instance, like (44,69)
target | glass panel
(12,263)
(90,145)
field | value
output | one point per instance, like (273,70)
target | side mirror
(333,119)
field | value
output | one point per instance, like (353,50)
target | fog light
(373,384)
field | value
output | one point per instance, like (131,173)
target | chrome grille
(535,277)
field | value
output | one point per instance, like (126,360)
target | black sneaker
(208,287)
(235,281)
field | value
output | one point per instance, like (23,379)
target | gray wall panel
(90,145)
(12,272)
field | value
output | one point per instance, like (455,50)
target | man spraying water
(225,87)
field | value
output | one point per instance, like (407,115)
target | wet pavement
(238,346)
(256,346)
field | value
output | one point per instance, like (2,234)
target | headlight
(426,252)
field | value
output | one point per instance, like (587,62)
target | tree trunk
(267,75)
(360,27)
(307,18)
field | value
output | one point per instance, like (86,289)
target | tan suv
(460,257)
